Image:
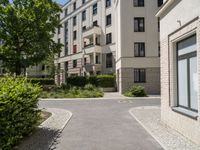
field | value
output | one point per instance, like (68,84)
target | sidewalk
(149,118)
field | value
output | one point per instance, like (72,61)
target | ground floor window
(139,75)
(187,79)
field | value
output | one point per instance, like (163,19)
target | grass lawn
(75,92)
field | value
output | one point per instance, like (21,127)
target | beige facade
(109,45)
(180,46)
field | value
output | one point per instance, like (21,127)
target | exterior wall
(175,26)
(102,12)
(152,84)
(126,37)
(123,38)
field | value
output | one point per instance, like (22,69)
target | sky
(61,1)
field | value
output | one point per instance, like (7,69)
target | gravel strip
(47,135)
(169,139)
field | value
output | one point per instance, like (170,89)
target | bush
(78,81)
(106,80)
(89,87)
(93,80)
(136,91)
(18,110)
(42,81)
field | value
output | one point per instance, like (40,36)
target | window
(108,38)
(97,59)
(139,24)
(59,43)
(43,67)
(158,49)
(74,35)
(66,49)
(138,3)
(66,66)
(109,60)
(66,12)
(108,3)
(83,1)
(74,6)
(74,49)
(108,20)
(95,23)
(84,15)
(187,77)
(85,61)
(139,75)
(74,21)
(74,63)
(95,9)
(84,28)
(139,49)
(160,2)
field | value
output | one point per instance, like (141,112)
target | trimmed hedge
(106,80)
(78,81)
(18,110)
(42,81)
(100,80)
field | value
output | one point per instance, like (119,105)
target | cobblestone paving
(48,132)
(149,118)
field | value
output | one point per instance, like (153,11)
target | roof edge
(164,7)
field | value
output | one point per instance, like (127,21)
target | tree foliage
(27,28)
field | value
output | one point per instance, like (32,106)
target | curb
(92,99)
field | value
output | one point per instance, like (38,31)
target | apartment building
(111,37)
(180,66)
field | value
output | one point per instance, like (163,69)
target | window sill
(186,112)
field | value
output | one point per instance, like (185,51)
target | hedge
(106,80)
(78,81)
(100,80)
(18,110)
(42,81)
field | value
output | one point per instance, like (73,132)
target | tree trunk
(18,68)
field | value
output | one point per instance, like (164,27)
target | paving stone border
(169,139)
(47,135)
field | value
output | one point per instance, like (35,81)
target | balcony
(92,67)
(89,49)
(92,30)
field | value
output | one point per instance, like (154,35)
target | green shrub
(89,87)
(106,80)
(93,80)
(42,81)
(18,110)
(78,81)
(136,91)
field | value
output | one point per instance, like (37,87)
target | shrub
(18,109)
(42,81)
(106,80)
(93,80)
(136,91)
(77,81)
(89,87)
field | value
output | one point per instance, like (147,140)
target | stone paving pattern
(149,118)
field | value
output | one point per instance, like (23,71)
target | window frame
(107,3)
(109,62)
(75,63)
(84,15)
(139,20)
(186,57)
(138,3)
(139,75)
(109,20)
(108,38)
(95,9)
(140,45)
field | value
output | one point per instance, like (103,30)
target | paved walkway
(103,125)
(149,118)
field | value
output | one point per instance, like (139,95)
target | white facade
(96,54)
(180,60)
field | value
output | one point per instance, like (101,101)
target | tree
(27,28)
